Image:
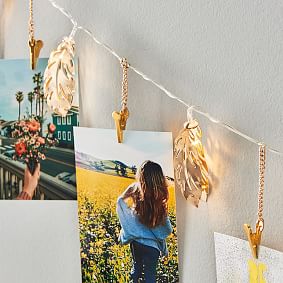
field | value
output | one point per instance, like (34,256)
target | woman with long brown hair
(145,225)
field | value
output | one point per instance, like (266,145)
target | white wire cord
(159,86)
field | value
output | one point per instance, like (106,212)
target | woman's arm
(168,226)
(121,204)
(129,192)
(30,184)
(161,232)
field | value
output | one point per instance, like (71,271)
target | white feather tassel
(191,168)
(59,77)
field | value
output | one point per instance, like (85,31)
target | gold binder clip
(254,238)
(121,117)
(35,47)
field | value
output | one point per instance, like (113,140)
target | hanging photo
(235,263)
(37,159)
(127,209)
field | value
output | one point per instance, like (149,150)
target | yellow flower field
(103,258)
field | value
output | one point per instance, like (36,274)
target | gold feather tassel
(59,77)
(191,169)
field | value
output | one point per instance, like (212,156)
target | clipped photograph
(37,159)
(127,207)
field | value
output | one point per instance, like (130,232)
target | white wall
(225,56)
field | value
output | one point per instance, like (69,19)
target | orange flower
(51,128)
(33,125)
(22,123)
(20,148)
(41,140)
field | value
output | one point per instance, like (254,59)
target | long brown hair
(152,197)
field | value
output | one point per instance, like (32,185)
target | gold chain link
(262,158)
(31,23)
(125,67)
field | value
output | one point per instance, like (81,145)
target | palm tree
(19,98)
(35,91)
(31,96)
(41,96)
(38,90)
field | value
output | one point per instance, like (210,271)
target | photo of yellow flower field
(99,183)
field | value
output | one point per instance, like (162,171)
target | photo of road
(58,160)
(22,97)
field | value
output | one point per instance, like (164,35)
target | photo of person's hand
(31,181)
(131,191)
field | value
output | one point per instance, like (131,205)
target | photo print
(31,134)
(127,208)
(235,263)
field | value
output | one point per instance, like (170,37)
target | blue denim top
(133,229)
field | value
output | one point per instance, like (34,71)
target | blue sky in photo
(137,146)
(16,75)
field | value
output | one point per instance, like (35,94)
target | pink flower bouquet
(31,146)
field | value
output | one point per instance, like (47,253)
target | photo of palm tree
(22,98)
(19,98)
(31,96)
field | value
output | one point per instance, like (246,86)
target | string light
(194,108)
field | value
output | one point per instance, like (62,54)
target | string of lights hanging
(194,108)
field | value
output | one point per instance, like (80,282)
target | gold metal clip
(35,47)
(120,119)
(254,238)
